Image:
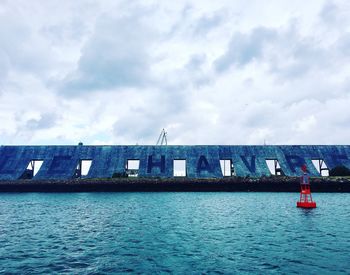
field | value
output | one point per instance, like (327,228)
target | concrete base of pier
(235,184)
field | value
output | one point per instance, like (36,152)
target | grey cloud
(297,57)
(73,30)
(20,48)
(243,48)
(343,44)
(259,114)
(139,126)
(197,76)
(187,24)
(206,23)
(4,65)
(117,55)
(287,54)
(329,12)
(47,120)
(143,123)
(196,61)
(178,25)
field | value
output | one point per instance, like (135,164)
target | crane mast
(162,140)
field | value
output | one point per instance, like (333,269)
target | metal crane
(162,140)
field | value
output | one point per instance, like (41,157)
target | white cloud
(224,72)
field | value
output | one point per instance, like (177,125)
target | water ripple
(182,233)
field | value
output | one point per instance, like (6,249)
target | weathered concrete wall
(60,162)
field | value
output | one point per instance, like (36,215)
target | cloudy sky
(210,72)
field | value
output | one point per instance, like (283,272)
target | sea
(173,233)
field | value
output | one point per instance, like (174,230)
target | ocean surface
(179,233)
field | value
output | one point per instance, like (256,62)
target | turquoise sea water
(182,233)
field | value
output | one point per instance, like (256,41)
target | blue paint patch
(251,165)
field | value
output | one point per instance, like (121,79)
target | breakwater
(237,184)
(193,162)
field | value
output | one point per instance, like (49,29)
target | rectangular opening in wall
(227,167)
(83,168)
(132,167)
(180,168)
(274,167)
(321,167)
(32,169)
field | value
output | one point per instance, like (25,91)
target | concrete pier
(268,184)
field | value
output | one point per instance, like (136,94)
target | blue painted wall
(60,162)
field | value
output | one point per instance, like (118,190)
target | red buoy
(305,200)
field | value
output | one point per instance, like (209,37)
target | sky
(209,72)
